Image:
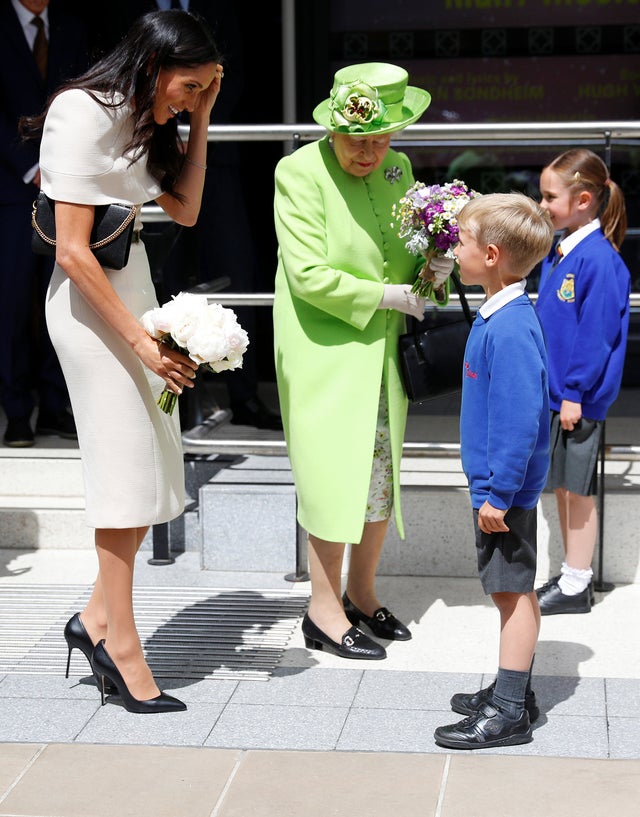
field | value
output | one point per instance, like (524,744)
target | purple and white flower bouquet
(427,216)
(206,332)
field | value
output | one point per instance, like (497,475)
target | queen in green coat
(342,293)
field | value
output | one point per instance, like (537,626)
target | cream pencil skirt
(131,451)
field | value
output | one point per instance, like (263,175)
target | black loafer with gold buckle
(382,623)
(354,643)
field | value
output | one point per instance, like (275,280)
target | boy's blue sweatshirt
(583,305)
(504,419)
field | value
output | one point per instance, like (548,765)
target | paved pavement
(320,735)
(312,735)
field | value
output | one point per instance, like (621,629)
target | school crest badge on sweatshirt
(567,291)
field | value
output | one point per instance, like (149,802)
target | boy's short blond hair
(515,223)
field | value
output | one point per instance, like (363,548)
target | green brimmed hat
(371,98)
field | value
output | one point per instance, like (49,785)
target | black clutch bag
(431,357)
(111,235)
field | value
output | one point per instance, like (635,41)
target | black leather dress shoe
(56,424)
(555,579)
(553,601)
(468,703)
(382,623)
(354,644)
(253,412)
(18,433)
(484,729)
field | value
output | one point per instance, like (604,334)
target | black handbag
(111,234)
(431,357)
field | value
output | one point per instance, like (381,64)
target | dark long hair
(158,40)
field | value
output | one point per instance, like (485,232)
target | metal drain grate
(186,632)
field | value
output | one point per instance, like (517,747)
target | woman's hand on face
(177,370)
(207,98)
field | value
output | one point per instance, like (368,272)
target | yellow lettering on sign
(494,93)
(603,90)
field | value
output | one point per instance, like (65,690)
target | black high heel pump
(77,637)
(107,670)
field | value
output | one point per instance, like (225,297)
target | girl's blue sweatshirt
(583,305)
(504,417)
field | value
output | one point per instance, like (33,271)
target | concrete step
(42,497)
(247,521)
(240,514)
(56,477)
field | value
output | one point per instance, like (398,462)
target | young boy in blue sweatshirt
(504,435)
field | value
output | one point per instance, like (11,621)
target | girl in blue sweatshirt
(504,446)
(583,305)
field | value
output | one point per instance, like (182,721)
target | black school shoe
(468,703)
(18,433)
(486,728)
(556,579)
(553,601)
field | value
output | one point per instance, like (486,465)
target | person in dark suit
(221,244)
(29,367)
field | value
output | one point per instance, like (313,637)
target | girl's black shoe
(382,623)
(107,670)
(355,644)
(76,636)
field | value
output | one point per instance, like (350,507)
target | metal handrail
(275,448)
(443,134)
(449,135)
(595,132)
(266,298)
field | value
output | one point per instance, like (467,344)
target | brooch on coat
(393,174)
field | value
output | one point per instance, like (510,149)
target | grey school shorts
(507,561)
(574,456)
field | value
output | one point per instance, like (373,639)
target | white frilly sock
(573,580)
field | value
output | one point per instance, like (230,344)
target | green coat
(333,346)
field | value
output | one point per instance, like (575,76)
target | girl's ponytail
(613,218)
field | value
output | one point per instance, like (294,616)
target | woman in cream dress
(111,136)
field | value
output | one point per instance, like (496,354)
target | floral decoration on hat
(371,98)
(355,106)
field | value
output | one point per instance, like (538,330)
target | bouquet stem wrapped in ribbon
(206,332)
(428,220)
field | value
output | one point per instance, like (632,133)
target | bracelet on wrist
(195,164)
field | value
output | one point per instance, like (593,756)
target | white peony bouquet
(206,332)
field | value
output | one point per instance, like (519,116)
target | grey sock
(528,689)
(510,690)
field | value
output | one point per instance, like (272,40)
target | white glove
(400,297)
(441,266)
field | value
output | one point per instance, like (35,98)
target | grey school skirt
(574,456)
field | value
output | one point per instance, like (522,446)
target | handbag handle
(463,303)
(463,298)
